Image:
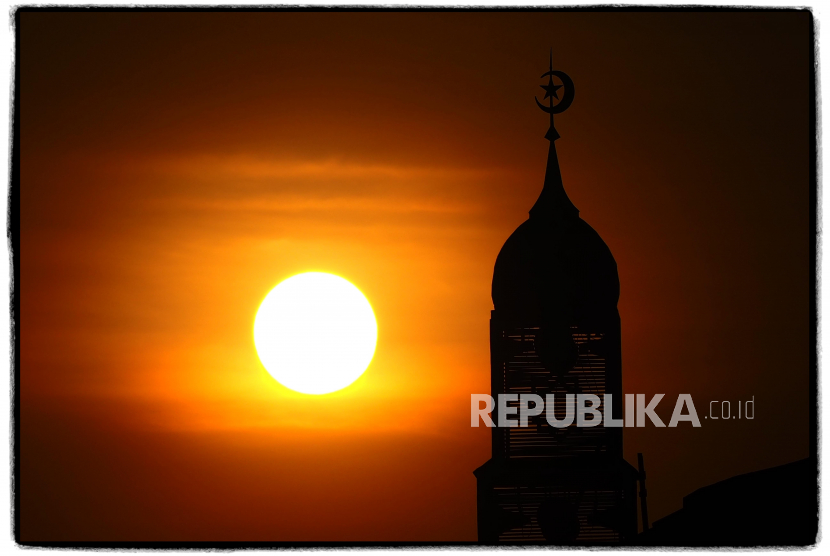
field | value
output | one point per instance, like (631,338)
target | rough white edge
(7,543)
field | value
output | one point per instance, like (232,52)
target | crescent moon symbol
(568,97)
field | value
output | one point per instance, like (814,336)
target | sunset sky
(175,167)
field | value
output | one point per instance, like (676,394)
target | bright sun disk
(315,333)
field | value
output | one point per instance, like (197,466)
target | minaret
(555,329)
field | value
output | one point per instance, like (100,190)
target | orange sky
(176,166)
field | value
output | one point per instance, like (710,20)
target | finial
(551,93)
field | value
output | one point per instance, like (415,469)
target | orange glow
(176,166)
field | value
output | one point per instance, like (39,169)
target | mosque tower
(555,330)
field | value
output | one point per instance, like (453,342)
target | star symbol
(550,89)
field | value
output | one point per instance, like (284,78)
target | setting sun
(315,333)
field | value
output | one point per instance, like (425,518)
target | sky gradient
(176,166)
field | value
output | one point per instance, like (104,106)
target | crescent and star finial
(552,92)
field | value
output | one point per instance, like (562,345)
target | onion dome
(555,271)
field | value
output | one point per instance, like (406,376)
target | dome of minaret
(544,269)
(555,269)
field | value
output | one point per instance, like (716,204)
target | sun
(315,333)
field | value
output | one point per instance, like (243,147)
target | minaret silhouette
(555,329)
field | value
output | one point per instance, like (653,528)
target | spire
(550,93)
(553,202)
